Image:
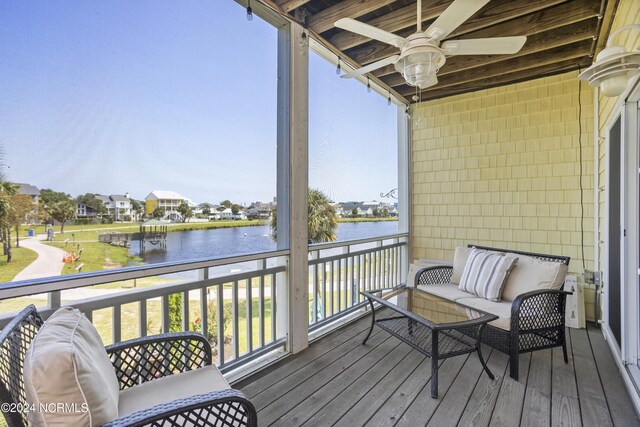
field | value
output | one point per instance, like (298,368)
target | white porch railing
(233,301)
(338,272)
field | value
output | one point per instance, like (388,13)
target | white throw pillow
(459,261)
(485,274)
(533,274)
(66,364)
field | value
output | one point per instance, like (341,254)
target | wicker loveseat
(533,320)
(155,365)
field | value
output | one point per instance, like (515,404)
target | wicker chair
(530,331)
(133,365)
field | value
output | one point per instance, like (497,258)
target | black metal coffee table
(434,326)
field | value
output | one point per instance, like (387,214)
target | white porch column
(293,182)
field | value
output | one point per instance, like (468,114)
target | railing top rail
(322,246)
(58,283)
(326,259)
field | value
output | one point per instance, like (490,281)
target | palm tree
(322,218)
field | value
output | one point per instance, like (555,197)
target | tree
(323,222)
(137,207)
(226,204)
(90,201)
(206,211)
(21,206)
(62,211)
(354,213)
(375,213)
(235,209)
(158,213)
(7,191)
(185,211)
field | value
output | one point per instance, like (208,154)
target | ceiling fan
(421,54)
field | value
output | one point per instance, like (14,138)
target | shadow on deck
(339,381)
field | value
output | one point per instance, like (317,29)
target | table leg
(434,364)
(478,349)
(373,321)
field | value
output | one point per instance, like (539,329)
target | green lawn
(21,258)
(96,256)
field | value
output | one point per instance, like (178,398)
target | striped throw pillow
(485,274)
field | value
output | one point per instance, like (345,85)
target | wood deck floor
(338,381)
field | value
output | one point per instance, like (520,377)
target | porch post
(293,182)
(404,186)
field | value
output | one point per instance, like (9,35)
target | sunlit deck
(338,381)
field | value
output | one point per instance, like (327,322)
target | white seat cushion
(448,291)
(67,363)
(167,389)
(531,274)
(502,309)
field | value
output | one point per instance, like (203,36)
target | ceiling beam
(289,5)
(544,20)
(529,74)
(537,43)
(605,25)
(397,20)
(549,57)
(324,20)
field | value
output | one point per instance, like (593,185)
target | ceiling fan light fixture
(419,68)
(614,67)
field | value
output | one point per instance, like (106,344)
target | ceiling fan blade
(453,17)
(371,67)
(489,46)
(370,31)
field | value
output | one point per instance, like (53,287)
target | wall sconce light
(614,66)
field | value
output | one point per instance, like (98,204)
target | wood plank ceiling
(563,35)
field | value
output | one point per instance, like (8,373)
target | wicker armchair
(135,361)
(537,317)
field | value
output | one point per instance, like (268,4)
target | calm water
(225,242)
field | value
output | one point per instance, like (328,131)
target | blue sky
(131,96)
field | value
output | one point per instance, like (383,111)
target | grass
(367,219)
(22,257)
(84,231)
(96,256)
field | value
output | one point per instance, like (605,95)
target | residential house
(34,193)
(167,200)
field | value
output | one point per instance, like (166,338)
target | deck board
(620,405)
(339,382)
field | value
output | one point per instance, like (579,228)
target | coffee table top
(434,311)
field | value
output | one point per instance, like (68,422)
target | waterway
(227,242)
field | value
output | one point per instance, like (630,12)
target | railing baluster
(220,322)
(274,307)
(165,314)
(332,284)
(261,311)
(249,302)
(314,305)
(235,310)
(142,318)
(185,311)
(339,285)
(324,290)
(116,322)
(204,312)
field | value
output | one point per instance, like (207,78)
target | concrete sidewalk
(49,262)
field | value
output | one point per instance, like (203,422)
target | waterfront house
(505,151)
(167,200)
